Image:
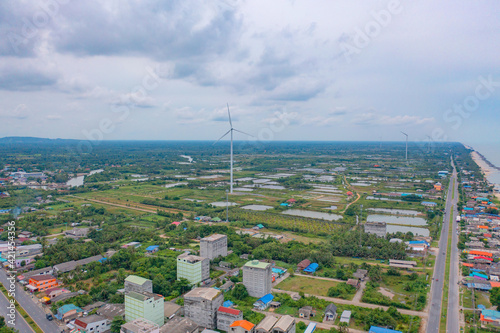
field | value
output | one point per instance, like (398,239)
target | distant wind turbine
(231,130)
(406,145)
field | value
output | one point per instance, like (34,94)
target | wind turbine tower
(231,130)
(406,145)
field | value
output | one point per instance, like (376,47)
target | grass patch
(309,286)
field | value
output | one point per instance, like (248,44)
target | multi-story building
(138,284)
(201,305)
(226,316)
(193,268)
(144,305)
(42,282)
(93,324)
(213,246)
(257,278)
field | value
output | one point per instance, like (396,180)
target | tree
(495,296)
(116,324)
(240,292)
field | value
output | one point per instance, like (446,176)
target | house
(25,234)
(42,282)
(180,325)
(152,248)
(77,233)
(490,317)
(331,312)
(376,329)
(227,316)
(266,325)
(306,312)
(93,323)
(286,324)
(54,292)
(68,311)
(303,264)
(170,310)
(428,204)
(135,245)
(227,286)
(111,311)
(345,317)
(241,326)
(263,302)
(311,269)
(353,282)
(225,264)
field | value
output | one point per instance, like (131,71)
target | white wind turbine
(406,145)
(231,130)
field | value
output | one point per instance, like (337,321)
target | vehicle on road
(49,317)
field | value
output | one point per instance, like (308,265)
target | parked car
(49,317)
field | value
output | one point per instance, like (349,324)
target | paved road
(20,324)
(452,323)
(31,307)
(437,284)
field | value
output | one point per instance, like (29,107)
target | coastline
(487,168)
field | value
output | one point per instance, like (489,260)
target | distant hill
(29,139)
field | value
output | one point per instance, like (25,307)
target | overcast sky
(290,70)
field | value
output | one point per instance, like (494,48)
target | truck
(458,218)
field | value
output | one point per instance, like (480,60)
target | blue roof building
(263,302)
(63,310)
(227,304)
(376,329)
(152,248)
(310,328)
(311,268)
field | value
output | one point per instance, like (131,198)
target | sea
(492,153)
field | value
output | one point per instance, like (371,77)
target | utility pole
(360,228)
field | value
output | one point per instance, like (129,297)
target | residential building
(144,305)
(42,282)
(152,248)
(353,282)
(180,325)
(138,284)
(110,311)
(490,317)
(226,316)
(170,310)
(330,312)
(213,246)
(286,324)
(201,305)
(360,274)
(77,233)
(68,312)
(303,264)
(306,312)
(193,268)
(263,302)
(140,325)
(266,325)
(345,317)
(54,292)
(93,324)
(257,278)
(227,286)
(241,326)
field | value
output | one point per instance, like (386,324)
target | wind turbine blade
(243,132)
(404,133)
(229,114)
(222,136)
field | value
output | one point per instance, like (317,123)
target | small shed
(311,268)
(303,264)
(152,248)
(353,282)
(306,312)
